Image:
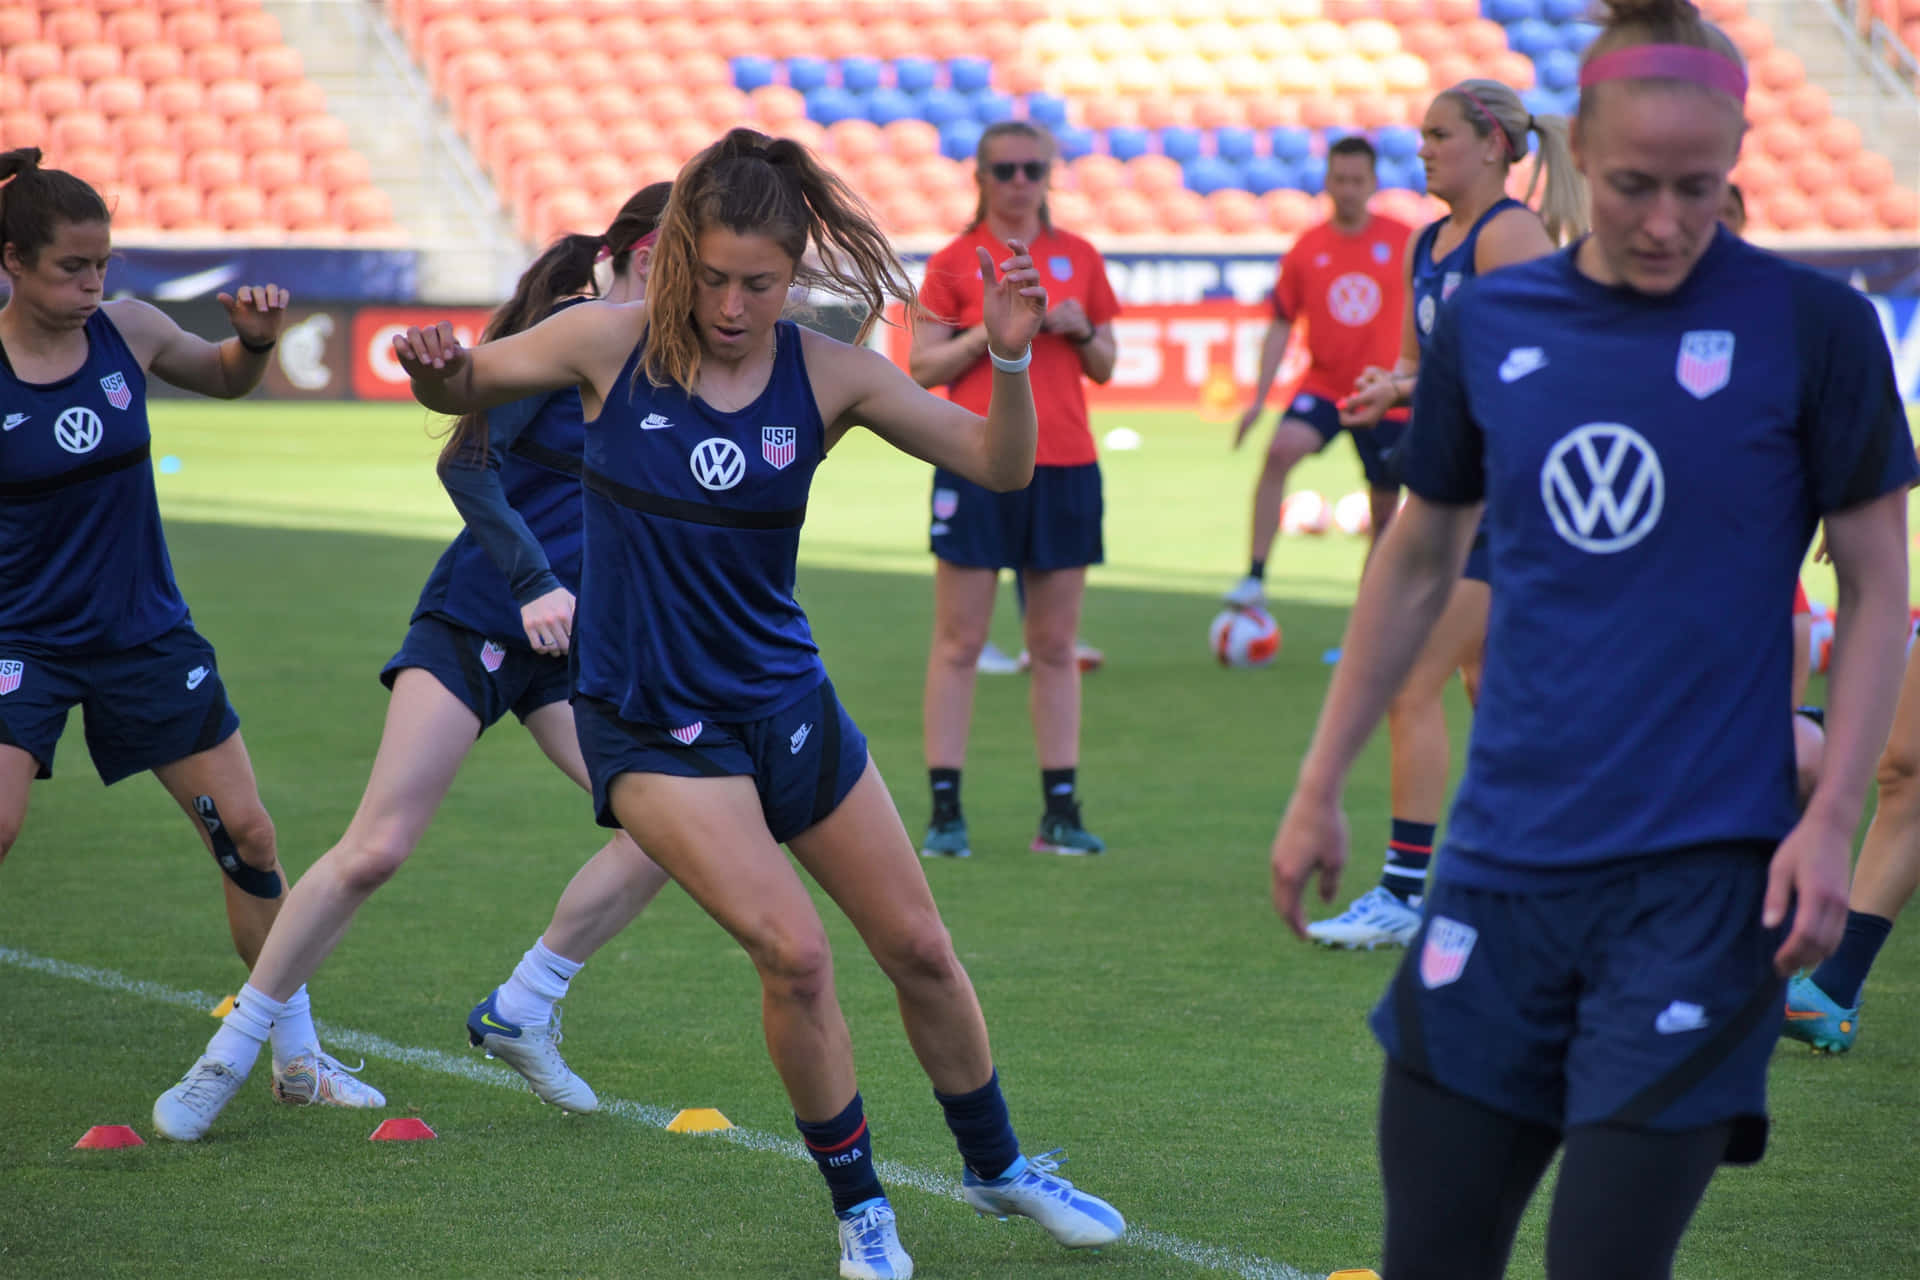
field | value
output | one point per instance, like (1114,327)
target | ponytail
(35,201)
(1491,107)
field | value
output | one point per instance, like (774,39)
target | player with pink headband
(1653,422)
(490,635)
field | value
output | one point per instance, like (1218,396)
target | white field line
(476,1070)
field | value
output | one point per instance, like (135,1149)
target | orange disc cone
(104,1137)
(401,1129)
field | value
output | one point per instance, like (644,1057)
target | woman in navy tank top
(1473,134)
(489,635)
(705,714)
(89,612)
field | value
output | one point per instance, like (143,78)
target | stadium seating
(1173,115)
(189,115)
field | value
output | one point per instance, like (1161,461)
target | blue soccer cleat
(1033,1189)
(1814,1017)
(870,1243)
(946,838)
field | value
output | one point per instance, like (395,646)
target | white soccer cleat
(1034,1189)
(1247,593)
(870,1244)
(532,1051)
(320,1079)
(1374,919)
(185,1112)
(993,661)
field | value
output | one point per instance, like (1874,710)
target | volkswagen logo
(718,463)
(1603,487)
(78,430)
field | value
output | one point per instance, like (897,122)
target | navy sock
(1845,971)
(946,793)
(981,1128)
(1058,786)
(843,1149)
(1408,853)
(1258,570)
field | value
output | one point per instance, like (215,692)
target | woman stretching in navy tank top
(89,611)
(706,717)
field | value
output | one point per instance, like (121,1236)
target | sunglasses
(1036,170)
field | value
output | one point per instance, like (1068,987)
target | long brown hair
(33,201)
(1563,204)
(752,184)
(1009,129)
(565,270)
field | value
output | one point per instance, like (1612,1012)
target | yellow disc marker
(699,1120)
(224,1008)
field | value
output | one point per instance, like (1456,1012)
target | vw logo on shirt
(1603,487)
(78,430)
(718,463)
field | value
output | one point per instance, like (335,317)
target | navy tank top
(1434,282)
(83,562)
(693,516)
(540,475)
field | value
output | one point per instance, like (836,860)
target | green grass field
(1210,1075)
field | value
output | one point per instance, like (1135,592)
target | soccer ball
(1354,514)
(1246,637)
(1305,512)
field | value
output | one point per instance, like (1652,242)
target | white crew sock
(245,1028)
(539,981)
(293,1033)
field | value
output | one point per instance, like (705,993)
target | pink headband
(1493,120)
(1669,62)
(607,250)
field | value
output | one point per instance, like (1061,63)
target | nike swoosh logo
(196,285)
(13,420)
(486,1020)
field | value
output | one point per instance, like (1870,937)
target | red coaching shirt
(1352,292)
(1069,268)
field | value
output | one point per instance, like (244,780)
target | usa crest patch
(945,503)
(1706,361)
(686,733)
(11,672)
(1444,956)
(777,446)
(119,395)
(1060,267)
(492,655)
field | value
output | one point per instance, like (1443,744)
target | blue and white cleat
(1817,1018)
(532,1051)
(1032,1189)
(1374,919)
(870,1243)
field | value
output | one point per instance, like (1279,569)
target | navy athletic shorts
(1638,995)
(1374,444)
(1053,523)
(146,706)
(488,675)
(804,758)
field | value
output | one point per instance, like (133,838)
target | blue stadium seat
(915,75)
(1266,173)
(1563,11)
(884,106)
(1074,141)
(1310,175)
(959,140)
(1533,37)
(1409,175)
(1508,12)
(750,72)
(942,107)
(1208,174)
(969,74)
(808,73)
(1557,70)
(1234,142)
(1047,110)
(990,107)
(1576,36)
(1125,141)
(1180,142)
(1398,142)
(832,104)
(1549,102)
(1291,143)
(860,74)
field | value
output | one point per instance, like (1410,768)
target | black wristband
(1092,333)
(259,350)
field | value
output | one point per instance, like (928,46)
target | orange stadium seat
(1154,174)
(1764,106)
(1752,36)
(1783,140)
(99,166)
(586,68)
(233,99)
(174,208)
(1480,38)
(1128,213)
(261,131)
(509,33)
(487,107)
(1779,69)
(276,169)
(1219,110)
(1426,39)
(565,33)
(56,95)
(1788,210)
(274,64)
(1814,174)
(1098,176)
(512,139)
(620,34)
(912,139)
(154,63)
(117,96)
(464,72)
(237,209)
(300,209)
(92,61)
(1838,139)
(22,128)
(71,26)
(34,60)
(556,102)
(577,139)
(313,135)
(451,34)
(631,138)
(608,103)
(1291,212)
(341,169)
(1402,12)
(252,30)
(191,29)
(1237,212)
(80,131)
(135,132)
(365,208)
(212,167)
(722,107)
(1870,173)
(198,132)
(605,175)
(534,68)
(149,167)
(1844,210)
(567,209)
(13,93)
(297,98)
(1455,12)
(1759,174)
(18,26)
(1899,210)
(124,207)
(1184,212)
(777,105)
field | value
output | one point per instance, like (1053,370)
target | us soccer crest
(945,503)
(1706,361)
(777,446)
(1442,959)
(1060,266)
(118,393)
(1449,284)
(492,655)
(10,673)
(686,733)
(1381,252)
